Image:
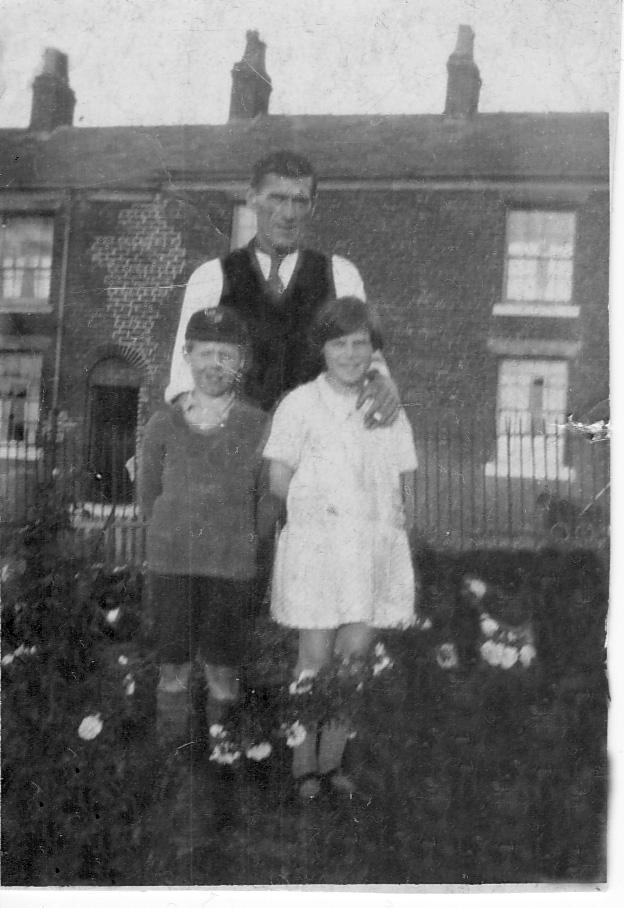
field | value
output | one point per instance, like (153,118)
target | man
(277,285)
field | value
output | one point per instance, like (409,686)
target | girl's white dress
(343,555)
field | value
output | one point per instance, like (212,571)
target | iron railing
(523,489)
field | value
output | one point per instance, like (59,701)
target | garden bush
(75,684)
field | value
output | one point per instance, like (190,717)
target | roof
(522,146)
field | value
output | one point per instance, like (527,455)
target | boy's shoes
(173,704)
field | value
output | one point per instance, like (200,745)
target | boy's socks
(174,677)
(304,755)
(332,746)
(173,702)
(217,710)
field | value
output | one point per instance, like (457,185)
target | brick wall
(432,260)
(129,263)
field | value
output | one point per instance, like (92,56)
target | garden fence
(529,487)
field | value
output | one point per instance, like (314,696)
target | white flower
(259,751)
(90,727)
(446,656)
(6,660)
(12,568)
(223,753)
(112,615)
(488,625)
(217,731)
(509,656)
(351,735)
(129,685)
(380,649)
(477,587)
(492,652)
(296,734)
(527,654)
(383,663)
(123,660)
(303,684)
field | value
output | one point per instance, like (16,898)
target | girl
(199,464)
(343,566)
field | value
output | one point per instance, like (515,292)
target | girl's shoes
(339,782)
(308,786)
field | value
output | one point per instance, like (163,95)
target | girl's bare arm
(279,478)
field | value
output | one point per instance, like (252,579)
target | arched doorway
(113,406)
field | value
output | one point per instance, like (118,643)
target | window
(25,262)
(113,406)
(539,264)
(243,225)
(530,418)
(20,382)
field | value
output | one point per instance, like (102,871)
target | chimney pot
(55,63)
(464,80)
(53,101)
(251,84)
(465,42)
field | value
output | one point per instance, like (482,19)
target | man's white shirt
(204,289)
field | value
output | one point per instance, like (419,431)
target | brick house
(483,238)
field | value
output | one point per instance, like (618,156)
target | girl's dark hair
(344,316)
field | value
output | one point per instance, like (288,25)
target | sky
(148,62)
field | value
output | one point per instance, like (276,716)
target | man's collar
(276,253)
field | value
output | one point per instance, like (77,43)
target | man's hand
(384,397)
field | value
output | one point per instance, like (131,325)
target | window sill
(37,307)
(541,310)
(92,512)
(19,450)
(514,470)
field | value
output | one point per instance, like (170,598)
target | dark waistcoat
(279,329)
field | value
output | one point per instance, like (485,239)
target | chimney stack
(251,84)
(53,100)
(464,81)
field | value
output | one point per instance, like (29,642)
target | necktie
(274,280)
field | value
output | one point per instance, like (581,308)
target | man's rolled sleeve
(203,291)
(348,282)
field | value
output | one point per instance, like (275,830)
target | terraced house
(482,237)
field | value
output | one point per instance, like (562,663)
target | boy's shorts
(191,614)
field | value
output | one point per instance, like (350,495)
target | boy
(200,460)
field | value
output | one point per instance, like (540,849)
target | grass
(465,776)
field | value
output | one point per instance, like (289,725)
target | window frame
(26,448)
(538,308)
(34,304)
(530,453)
